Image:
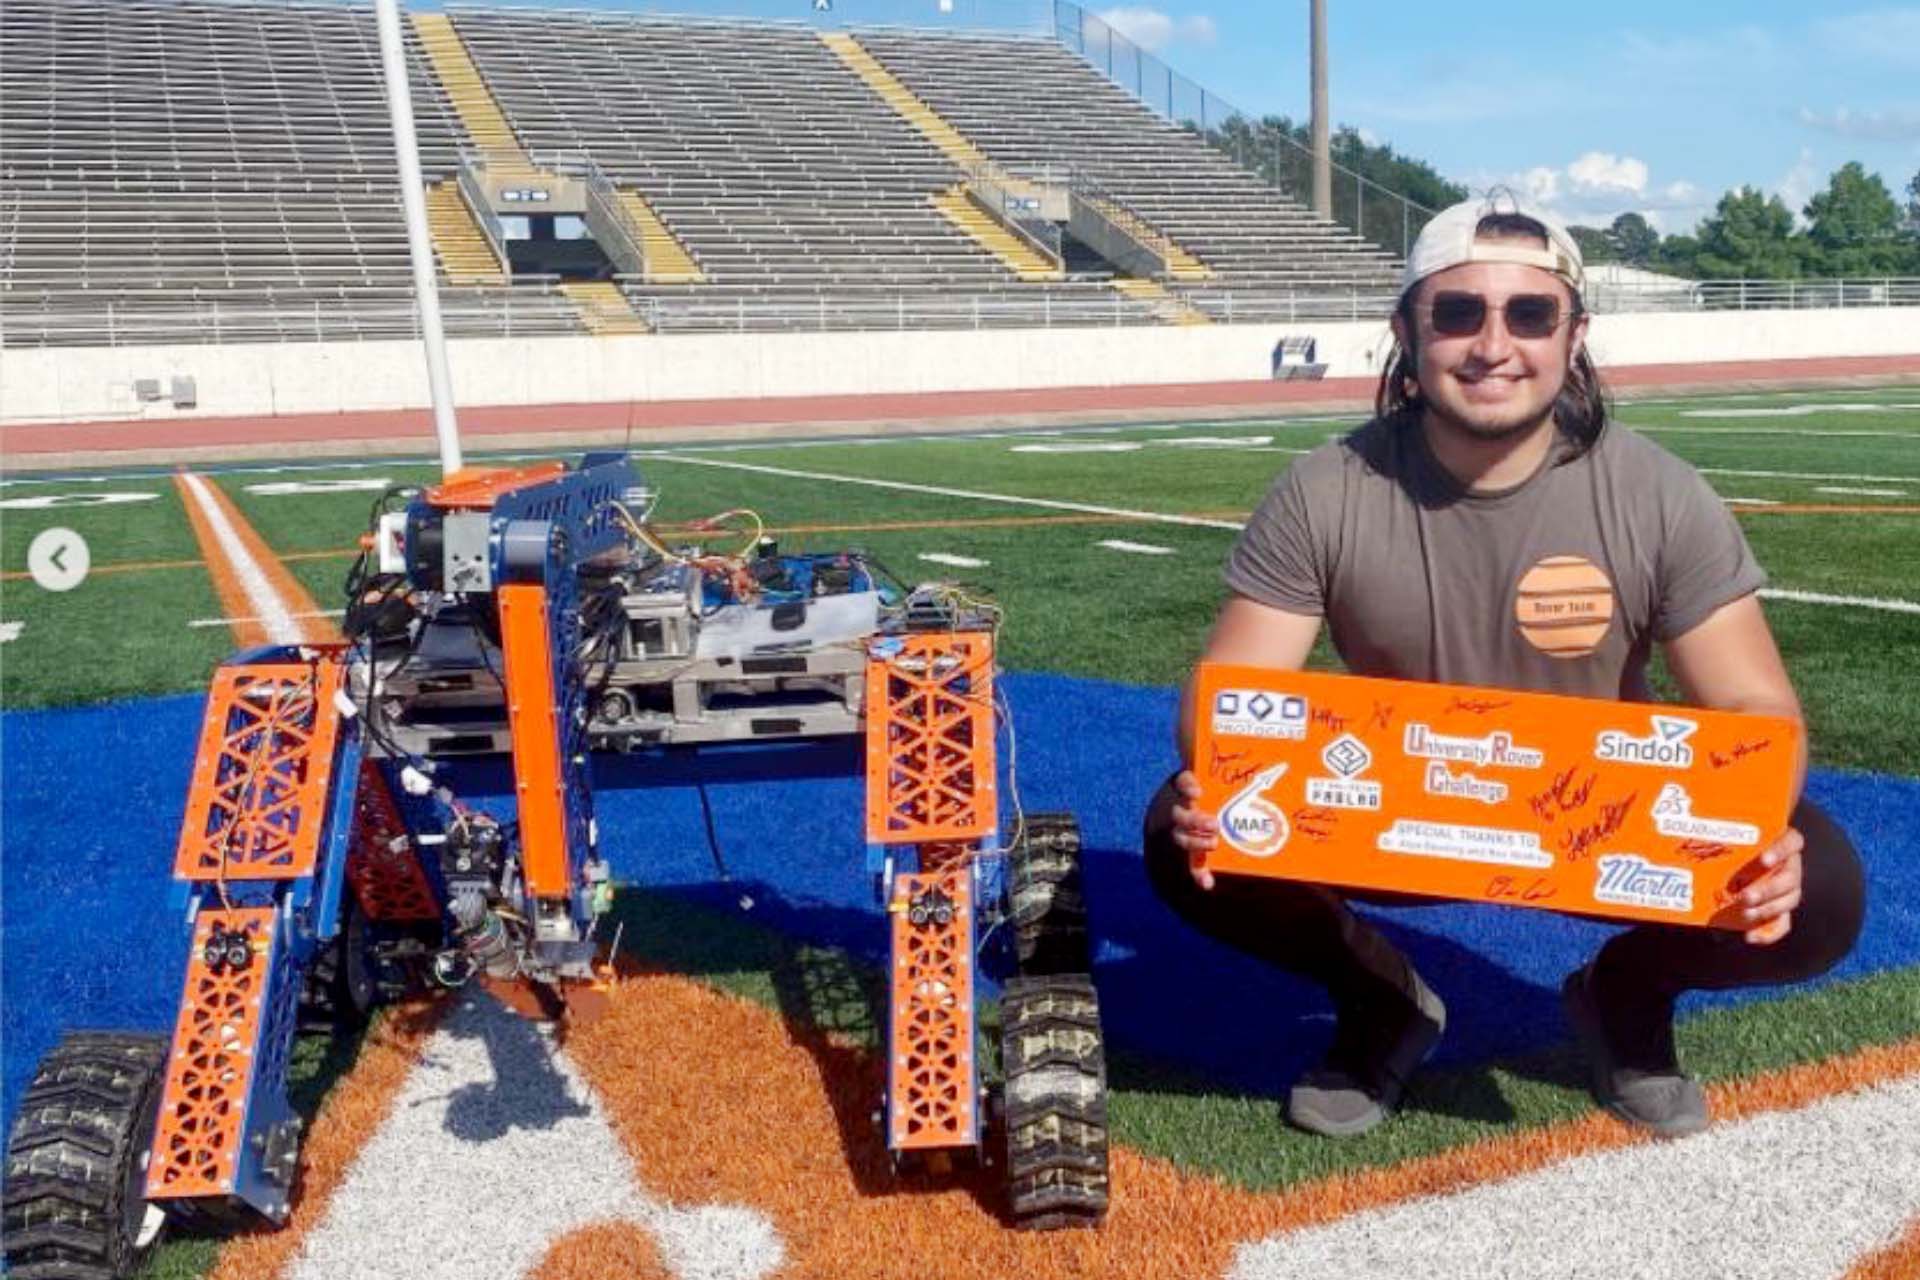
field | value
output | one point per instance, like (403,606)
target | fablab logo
(1666,747)
(1346,756)
(1255,713)
(1253,824)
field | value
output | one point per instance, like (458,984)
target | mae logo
(1627,879)
(1253,824)
(1666,747)
(1346,757)
(1255,713)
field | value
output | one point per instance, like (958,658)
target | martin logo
(1253,824)
(1627,879)
(1666,747)
(1255,713)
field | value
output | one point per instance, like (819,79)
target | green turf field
(1036,507)
(1827,485)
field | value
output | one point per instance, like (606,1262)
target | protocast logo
(1255,713)
(1253,824)
(1627,879)
(1665,747)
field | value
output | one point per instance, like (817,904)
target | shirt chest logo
(1564,606)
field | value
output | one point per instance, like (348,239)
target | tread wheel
(1046,897)
(341,985)
(1055,1102)
(75,1206)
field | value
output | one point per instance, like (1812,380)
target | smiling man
(1490,464)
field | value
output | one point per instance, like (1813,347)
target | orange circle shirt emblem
(1564,606)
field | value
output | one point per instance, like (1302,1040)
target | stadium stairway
(1164,304)
(472,101)
(463,250)
(602,307)
(960,209)
(965,213)
(668,261)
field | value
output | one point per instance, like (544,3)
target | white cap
(1451,238)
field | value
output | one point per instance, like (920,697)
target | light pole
(1322,145)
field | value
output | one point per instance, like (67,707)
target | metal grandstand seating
(1030,102)
(785,176)
(204,166)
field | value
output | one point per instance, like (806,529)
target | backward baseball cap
(1452,238)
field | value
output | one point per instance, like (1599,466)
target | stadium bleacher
(231,160)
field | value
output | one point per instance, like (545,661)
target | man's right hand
(1193,830)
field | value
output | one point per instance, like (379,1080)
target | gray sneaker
(1669,1104)
(1360,1084)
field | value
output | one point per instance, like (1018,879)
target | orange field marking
(235,601)
(603,1251)
(355,1108)
(720,1100)
(1898,1261)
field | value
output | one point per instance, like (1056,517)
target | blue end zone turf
(94,796)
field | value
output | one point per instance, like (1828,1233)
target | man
(1490,454)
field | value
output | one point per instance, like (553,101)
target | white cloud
(1598,187)
(1798,184)
(1603,173)
(1895,124)
(1880,35)
(1154,30)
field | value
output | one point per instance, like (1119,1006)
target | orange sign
(1637,810)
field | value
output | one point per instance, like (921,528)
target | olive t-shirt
(1560,584)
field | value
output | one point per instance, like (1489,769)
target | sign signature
(1579,841)
(1739,751)
(1563,794)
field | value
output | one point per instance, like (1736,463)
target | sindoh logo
(1253,824)
(1666,746)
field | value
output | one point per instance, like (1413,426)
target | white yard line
(1781,1196)
(1750,502)
(1863,493)
(496,1149)
(1807,475)
(941,491)
(267,604)
(227,622)
(1851,602)
(11,631)
(1137,548)
(1774,431)
(957,562)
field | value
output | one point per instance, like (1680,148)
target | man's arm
(1730,663)
(1251,634)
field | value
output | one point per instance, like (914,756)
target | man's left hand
(1769,901)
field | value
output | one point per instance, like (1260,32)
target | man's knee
(1833,897)
(1167,862)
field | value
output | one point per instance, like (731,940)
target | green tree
(1854,226)
(1678,256)
(1749,236)
(1594,244)
(1913,205)
(1633,239)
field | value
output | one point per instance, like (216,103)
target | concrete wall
(85,384)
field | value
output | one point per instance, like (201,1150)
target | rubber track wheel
(74,1197)
(339,992)
(1055,1102)
(1046,898)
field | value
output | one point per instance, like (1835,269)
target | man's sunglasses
(1460,315)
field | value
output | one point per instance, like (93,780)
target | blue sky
(1653,105)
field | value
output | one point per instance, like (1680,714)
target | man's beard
(1498,434)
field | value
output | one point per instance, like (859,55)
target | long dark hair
(1583,405)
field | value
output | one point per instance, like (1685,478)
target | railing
(991,184)
(612,226)
(1392,220)
(543,314)
(473,189)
